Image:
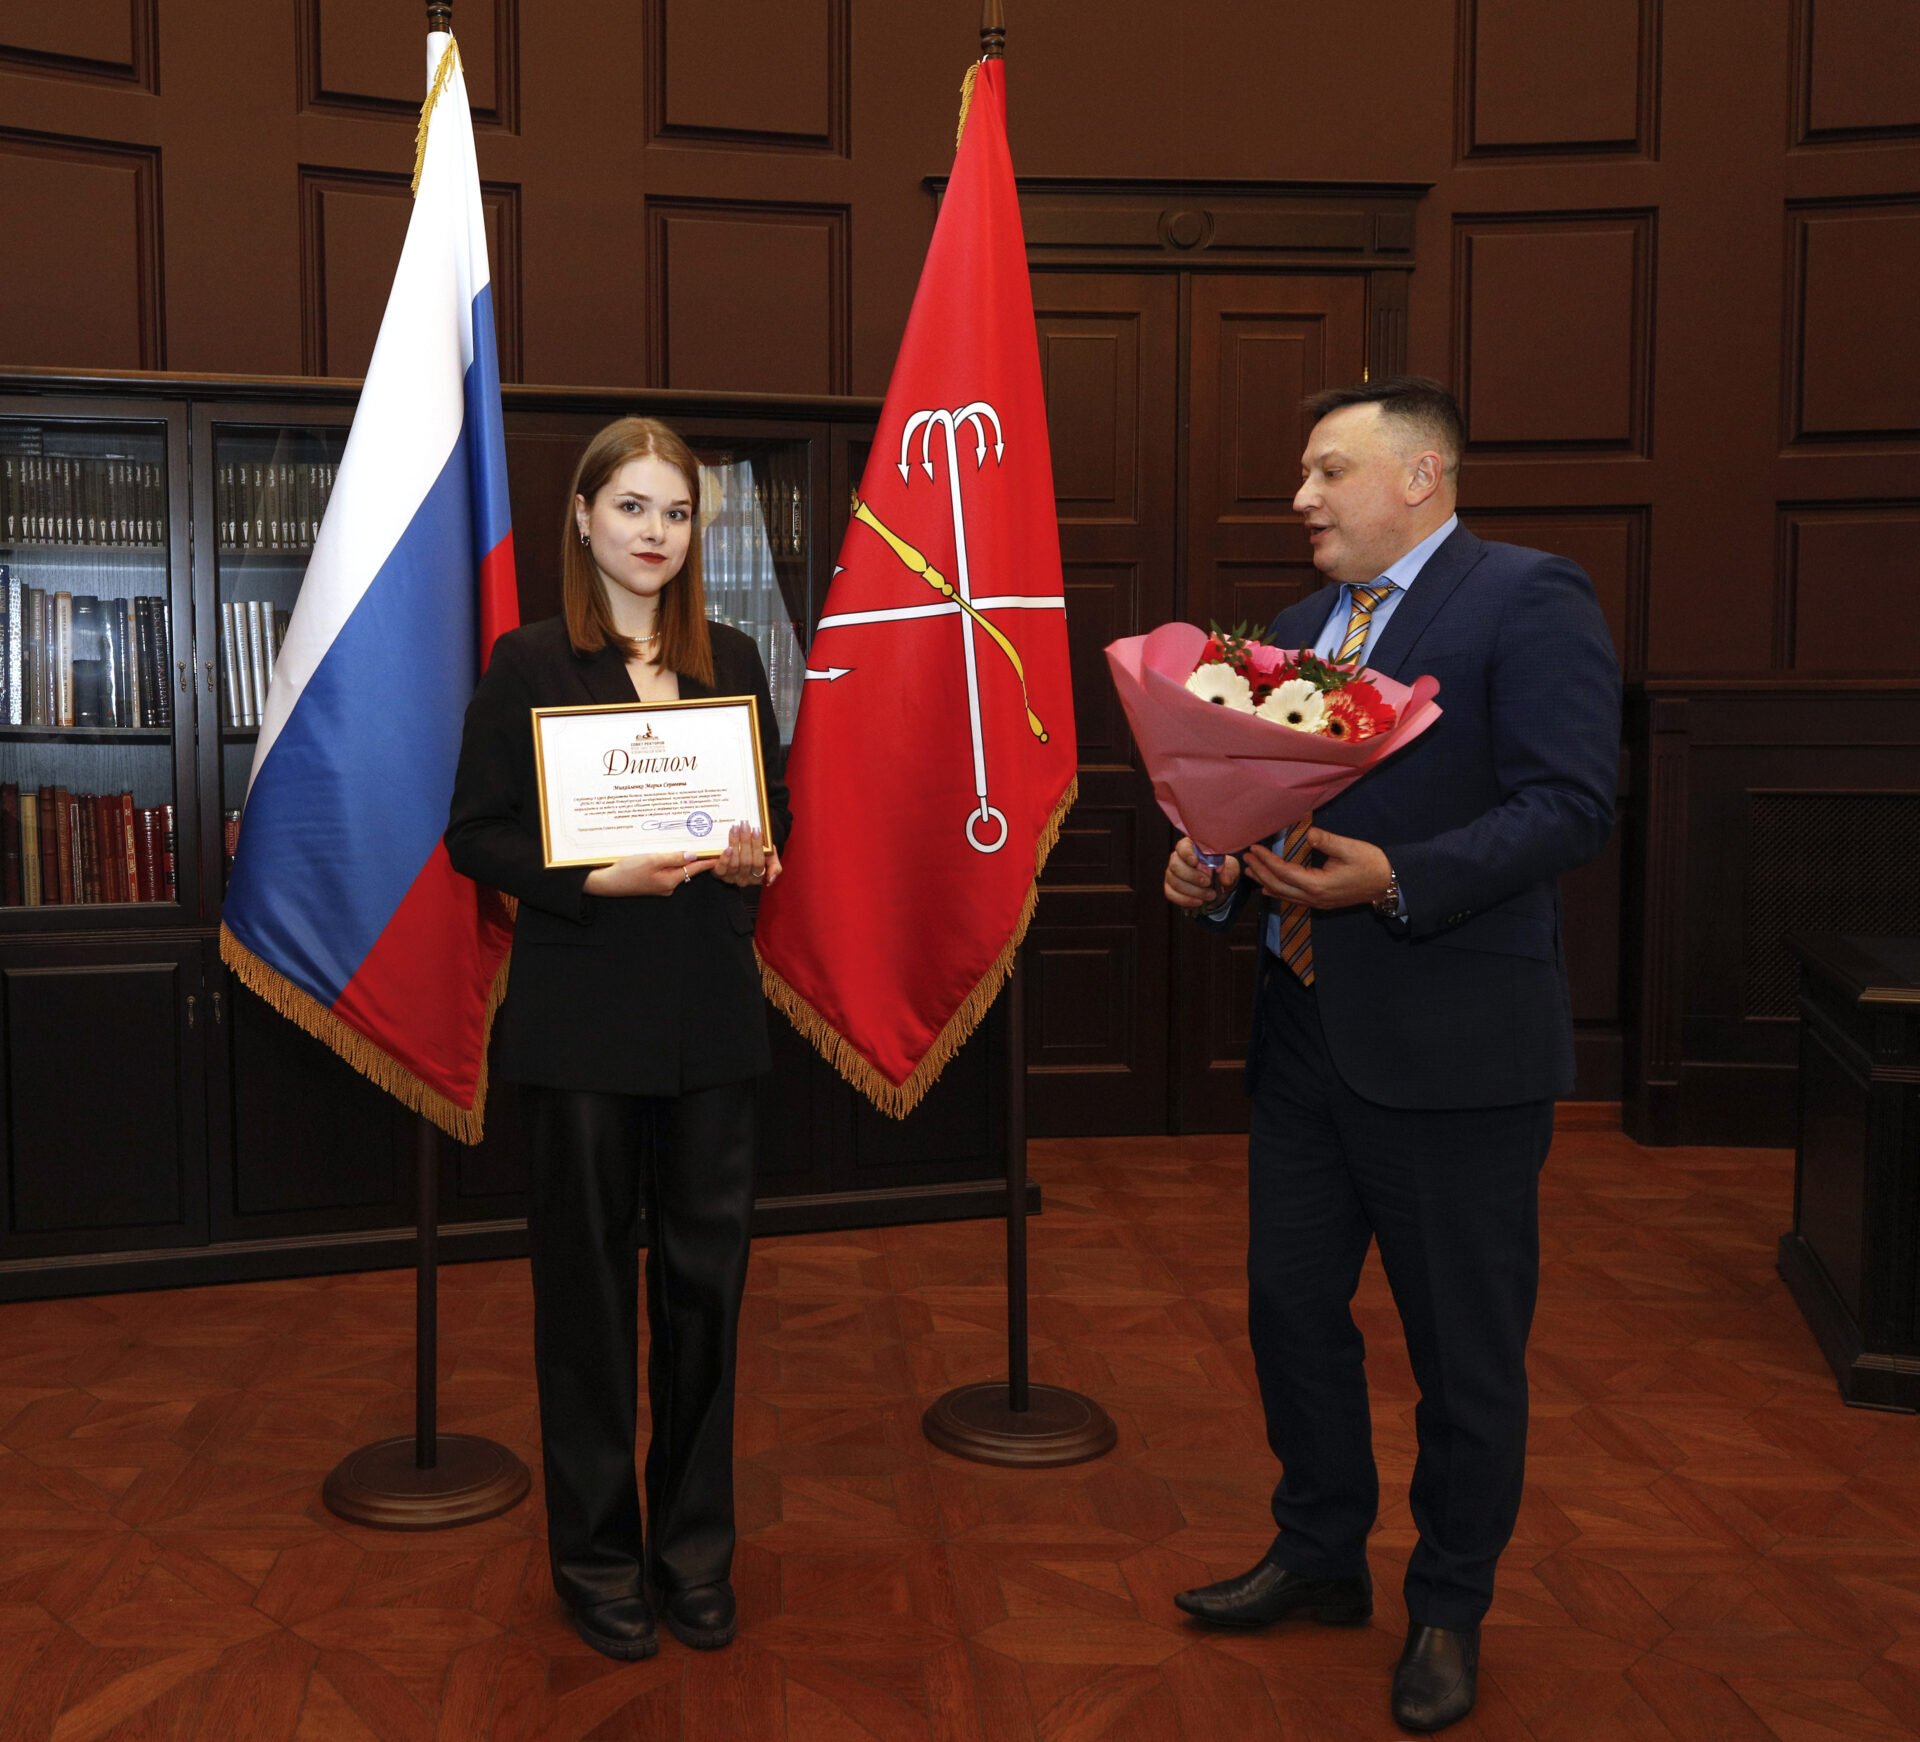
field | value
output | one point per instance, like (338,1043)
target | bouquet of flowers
(1240,739)
(1237,669)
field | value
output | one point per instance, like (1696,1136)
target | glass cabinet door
(89,705)
(755,509)
(265,491)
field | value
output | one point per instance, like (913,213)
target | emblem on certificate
(647,777)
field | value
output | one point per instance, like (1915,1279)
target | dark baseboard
(460,1242)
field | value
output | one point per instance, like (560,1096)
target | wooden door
(1257,345)
(1096,955)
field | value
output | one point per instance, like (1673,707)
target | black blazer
(641,995)
(1467,1004)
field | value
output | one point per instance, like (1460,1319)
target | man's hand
(1191,885)
(1354,872)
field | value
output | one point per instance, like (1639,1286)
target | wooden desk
(1853,1256)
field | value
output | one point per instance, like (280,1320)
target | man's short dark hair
(1418,403)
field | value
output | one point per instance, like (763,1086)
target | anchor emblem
(986,825)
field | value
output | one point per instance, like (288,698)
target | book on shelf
(13,602)
(170,855)
(258,662)
(230,835)
(30,849)
(49,809)
(62,673)
(10,843)
(89,679)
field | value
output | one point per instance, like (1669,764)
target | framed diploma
(647,777)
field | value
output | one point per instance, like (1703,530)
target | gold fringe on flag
(449,59)
(966,102)
(465,1124)
(900,1099)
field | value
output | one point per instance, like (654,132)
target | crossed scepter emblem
(986,826)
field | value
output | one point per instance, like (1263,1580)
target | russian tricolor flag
(343,911)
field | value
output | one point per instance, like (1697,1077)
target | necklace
(655,636)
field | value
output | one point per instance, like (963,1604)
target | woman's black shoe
(1270,1593)
(622,1628)
(1435,1681)
(701,1616)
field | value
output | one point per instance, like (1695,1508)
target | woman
(634,1023)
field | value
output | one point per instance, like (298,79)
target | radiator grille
(1838,862)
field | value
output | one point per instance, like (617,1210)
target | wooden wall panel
(1522,286)
(351,60)
(1852,372)
(81,218)
(1857,72)
(113,40)
(1577,77)
(1609,543)
(1849,587)
(349,218)
(747,295)
(760,74)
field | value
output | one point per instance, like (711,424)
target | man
(1412,1030)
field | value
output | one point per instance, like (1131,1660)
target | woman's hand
(746,862)
(646,874)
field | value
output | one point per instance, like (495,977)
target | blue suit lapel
(1432,588)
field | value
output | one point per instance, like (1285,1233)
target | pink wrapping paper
(1228,779)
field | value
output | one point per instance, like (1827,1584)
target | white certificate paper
(647,777)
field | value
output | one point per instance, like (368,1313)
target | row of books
(74,659)
(271,506)
(251,631)
(81,499)
(59,847)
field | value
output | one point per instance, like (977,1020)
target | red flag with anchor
(933,758)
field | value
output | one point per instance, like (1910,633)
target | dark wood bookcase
(159,1125)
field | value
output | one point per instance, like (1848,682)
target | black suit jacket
(1466,1005)
(645,995)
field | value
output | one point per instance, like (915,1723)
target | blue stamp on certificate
(699,825)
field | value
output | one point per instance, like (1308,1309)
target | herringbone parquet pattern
(1711,1547)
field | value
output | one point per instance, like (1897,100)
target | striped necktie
(1296,920)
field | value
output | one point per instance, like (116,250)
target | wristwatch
(1220,900)
(1389,903)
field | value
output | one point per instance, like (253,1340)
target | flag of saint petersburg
(933,758)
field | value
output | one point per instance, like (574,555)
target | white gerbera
(1220,683)
(1295,703)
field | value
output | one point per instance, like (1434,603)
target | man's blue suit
(1408,1096)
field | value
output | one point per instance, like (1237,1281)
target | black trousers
(598,1162)
(1452,1196)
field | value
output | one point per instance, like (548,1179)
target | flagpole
(1018,1423)
(426,1480)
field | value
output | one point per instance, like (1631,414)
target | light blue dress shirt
(1400,576)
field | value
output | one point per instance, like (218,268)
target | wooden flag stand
(426,1480)
(1018,1423)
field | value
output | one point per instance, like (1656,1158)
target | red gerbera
(1349,716)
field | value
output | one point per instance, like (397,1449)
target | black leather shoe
(622,1628)
(1270,1593)
(701,1616)
(1436,1678)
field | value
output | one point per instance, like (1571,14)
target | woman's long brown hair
(685,646)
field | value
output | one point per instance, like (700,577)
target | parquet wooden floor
(1712,1547)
